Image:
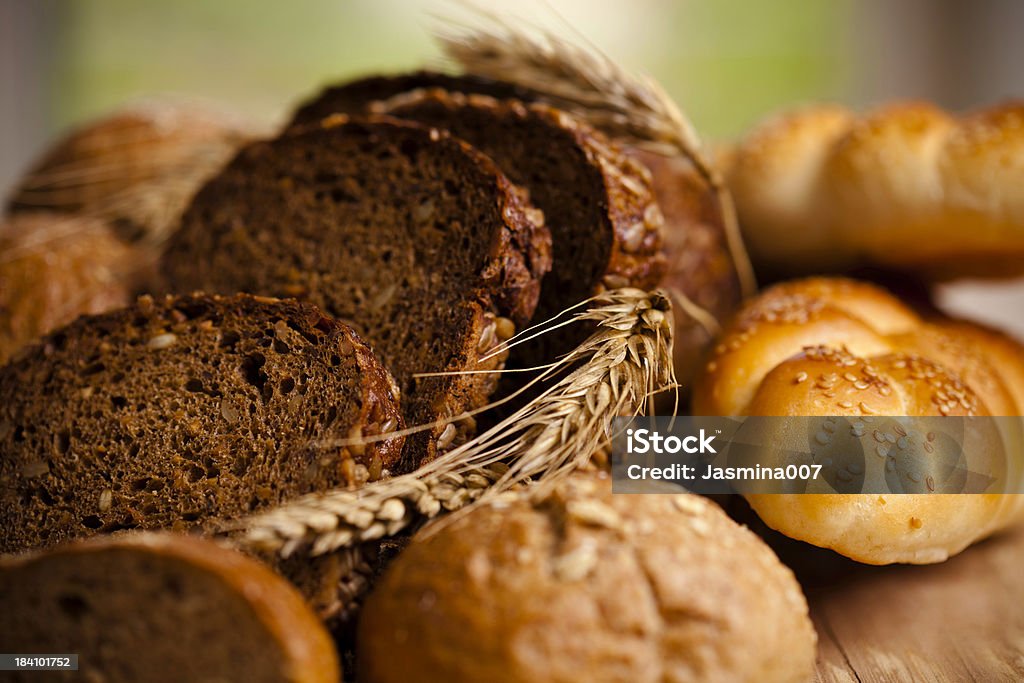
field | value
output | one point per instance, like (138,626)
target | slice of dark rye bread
(182,412)
(410,234)
(155,607)
(699,263)
(605,225)
(598,203)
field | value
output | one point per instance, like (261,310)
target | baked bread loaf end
(157,608)
(136,168)
(699,264)
(55,267)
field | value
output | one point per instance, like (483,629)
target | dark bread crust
(444,297)
(184,412)
(55,267)
(75,594)
(700,264)
(352,97)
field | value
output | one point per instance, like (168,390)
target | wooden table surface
(962,620)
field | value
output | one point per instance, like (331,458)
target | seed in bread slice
(183,412)
(408,233)
(597,203)
(158,607)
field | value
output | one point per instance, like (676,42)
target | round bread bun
(581,585)
(907,187)
(55,267)
(136,167)
(161,607)
(835,347)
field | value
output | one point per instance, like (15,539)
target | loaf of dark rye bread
(183,412)
(154,608)
(410,234)
(699,263)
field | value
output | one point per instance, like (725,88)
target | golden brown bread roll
(581,585)
(826,347)
(907,187)
(55,267)
(137,167)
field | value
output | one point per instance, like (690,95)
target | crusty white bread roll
(822,347)
(906,187)
(574,583)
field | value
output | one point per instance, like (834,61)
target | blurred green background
(727,62)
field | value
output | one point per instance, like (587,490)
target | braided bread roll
(907,187)
(824,347)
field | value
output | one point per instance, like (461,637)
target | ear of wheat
(614,372)
(585,81)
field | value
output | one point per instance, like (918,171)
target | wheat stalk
(614,372)
(583,80)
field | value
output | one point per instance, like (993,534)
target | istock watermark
(642,441)
(823,454)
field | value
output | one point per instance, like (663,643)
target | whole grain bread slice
(157,608)
(699,263)
(410,234)
(605,225)
(183,412)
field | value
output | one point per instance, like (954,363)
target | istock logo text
(642,441)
